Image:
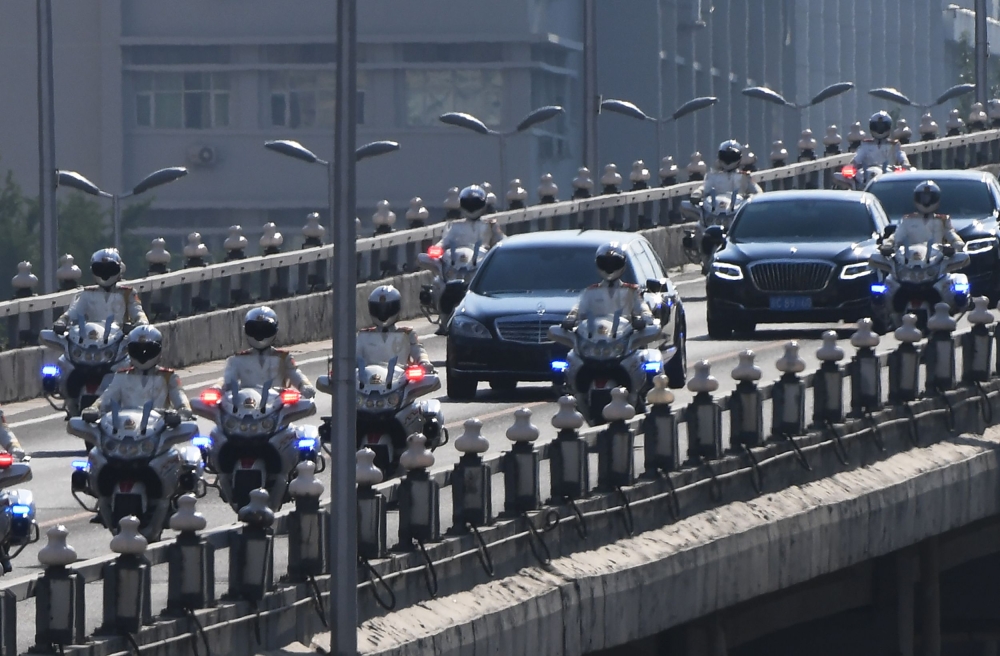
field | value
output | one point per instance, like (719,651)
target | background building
(203,83)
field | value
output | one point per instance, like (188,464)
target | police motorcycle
(852,179)
(453,269)
(388,410)
(607,352)
(90,354)
(915,278)
(254,443)
(138,465)
(18,527)
(703,213)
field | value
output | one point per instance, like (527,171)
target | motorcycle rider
(727,177)
(145,380)
(106,298)
(878,149)
(611,294)
(8,441)
(262,362)
(925,226)
(386,340)
(473,229)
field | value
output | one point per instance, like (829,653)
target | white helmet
(473,201)
(384,305)
(611,261)
(145,344)
(107,267)
(927,197)
(880,125)
(261,327)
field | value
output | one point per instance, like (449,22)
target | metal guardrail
(425,560)
(268,277)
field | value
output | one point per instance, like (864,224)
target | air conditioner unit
(201,155)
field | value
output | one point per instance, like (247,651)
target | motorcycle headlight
(980,245)
(111,446)
(147,447)
(369,404)
(268,424)
(361,400)
(727,271)
(467,327)
(394,399)
(76,353)
(231,424)
(129,449)
(109,355)
(856,270)
(244,426)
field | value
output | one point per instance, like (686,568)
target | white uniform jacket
(95,304)
(376,346)
(880,153)
(604,299)
(466,234)
(253,368)
(919,229)
(133,388)
(723,183)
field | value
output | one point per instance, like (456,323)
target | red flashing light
(211,396)
(290,396)
(849,171)
(435,252)
(415,374)
(6,460)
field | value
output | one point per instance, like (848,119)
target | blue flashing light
(20,510)
(81,465)
(560,366)
(878,288)
(307,443)
(202,441)
(960,288)
(651,367)
(50,371)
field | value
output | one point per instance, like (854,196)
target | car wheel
(503,386)
(718,328)
(676,367)
(461,387)
(745,329)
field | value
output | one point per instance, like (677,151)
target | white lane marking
(688,282)
(191,387)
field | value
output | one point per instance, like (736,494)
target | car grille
(525,331)
(790,276)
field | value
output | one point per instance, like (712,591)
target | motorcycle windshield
(918,263)
(603,338)
(377,392)
(87,346)
(252,413)
(129,435)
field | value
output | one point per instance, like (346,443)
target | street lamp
(893,95)
(295,150)
(470,122)
(763,93)
(74,180)
(629,109)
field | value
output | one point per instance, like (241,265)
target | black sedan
(794,256)
(972,199)
(527,283)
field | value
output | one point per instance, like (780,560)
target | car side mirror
(715,236)
(654,285)
(90,415)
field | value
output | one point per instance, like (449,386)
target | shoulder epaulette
(124,288)
(941,216)
(594,286)
(128,370)
(368,329)
(91,288)
(165,370)
(630,285)
(246,352)
(404,329)
(868,140)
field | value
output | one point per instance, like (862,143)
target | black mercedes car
(527,283)
(972,199)
(794,256)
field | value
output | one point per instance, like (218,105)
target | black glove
(59,328)
(885,249)
(568,324)
(638,323)
(948,250)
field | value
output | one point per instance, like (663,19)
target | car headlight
(856,270)
(466,327)
(727,271)
(980,245)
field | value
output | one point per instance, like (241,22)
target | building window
(432,93)
(448,52)
(300,53)
(307,99)
(194,101)
(176,55)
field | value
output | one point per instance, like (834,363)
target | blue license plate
(791,303)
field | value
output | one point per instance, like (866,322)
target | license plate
(791,303)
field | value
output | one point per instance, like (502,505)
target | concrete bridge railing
(444,536)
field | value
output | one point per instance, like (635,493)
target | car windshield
(545,268)
(803,220)
(959,198)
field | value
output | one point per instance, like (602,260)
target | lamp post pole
(343,497)
(46,148)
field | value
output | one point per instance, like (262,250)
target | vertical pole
(659,85)
(46,148)
(503,166)
(590,95)
(116,218)
(982,53)
(343,498)
(930,597)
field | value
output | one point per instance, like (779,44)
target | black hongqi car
(972,199)
(794,256)
(529,282)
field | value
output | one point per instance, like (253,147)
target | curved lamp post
(295,150)
(771,96)
(470,122)
(626,108)
(74,180)
(893,95)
